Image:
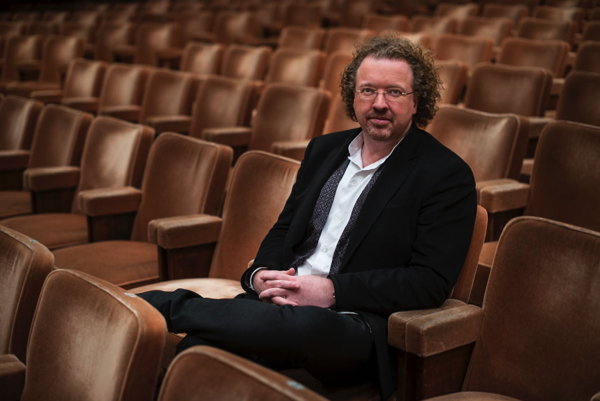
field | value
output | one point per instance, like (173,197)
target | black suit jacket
(410,240)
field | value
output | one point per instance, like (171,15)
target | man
(379,220)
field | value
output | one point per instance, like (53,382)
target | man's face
(384,118)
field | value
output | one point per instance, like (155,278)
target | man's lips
(378,120)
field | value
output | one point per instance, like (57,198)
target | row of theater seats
(527,295)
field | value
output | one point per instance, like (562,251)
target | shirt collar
(355,153)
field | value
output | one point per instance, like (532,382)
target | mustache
(383,116)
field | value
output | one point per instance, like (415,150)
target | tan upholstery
(549,54)
(468,49)
(43,28)
(301,37)
(308,15)
(259,187)
(154,39)
(245,62)
(114,155)
(495,28)
(456,11)
(431,25)
(229,27)
(100,344)
(202,58)
(184,177)
(566,163)
(19,49)
(579,100)
(24,264)
(353,12)
(57,53)
(123,86)
(591,31)
(378,23)
(82,86)
(506,89)
(453,74)
(206,373)
(335,65)
(588,57)
(345,39)
(533,28)
(193,22)
(524,349)
(296,67)
(111,35)
(57,141)
(574,14)
(514,12)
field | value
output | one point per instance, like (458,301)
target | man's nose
(380,102)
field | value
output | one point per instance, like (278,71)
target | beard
(379,132)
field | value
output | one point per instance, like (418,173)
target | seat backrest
(259,186)
(307,15)
(11,28)
(574,14)
(123,84)
(579,99)
(335,64)
(184,176)
(222,102)
(202,58)
(591,31)
(86,17)
(245,62)
(565,173)
(57,54)
(83,31)
(497,88)
(168,93)
(354,11)
(24,264)
(468,49)
(337,119)
(55,16)
(112,34)
(18,117)
(301,37)
(345,39)
(199,373)
(493,145)
(192,23)
(534,28)
(456,11)
(84,78)
(231,26)
(100,335)
(549,54)
(495,28)
(588,57)
(114,155)
(514,12)
(288,113)
(26,16)
(296,67)
(453,74)
(151,38)
(378,23)
(20,49)
(541,314)
(431,25)
(59,137)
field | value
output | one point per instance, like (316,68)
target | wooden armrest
(184,231)
(48,178)
(232,136)
(107,201)
(179,124)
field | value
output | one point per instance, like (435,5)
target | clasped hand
(284,288)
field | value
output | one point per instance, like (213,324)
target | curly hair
(426,82)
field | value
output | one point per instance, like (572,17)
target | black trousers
(327,343)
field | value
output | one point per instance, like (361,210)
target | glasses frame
(385,93)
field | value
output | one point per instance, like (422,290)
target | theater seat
(209,374)
(453,74)
(296,67)
(245,62)
(535,336)
(24,265)
(185,177)
(57,141)
(18,117)
(90,340)
(202,58)
(468,49)
(114,156)
(123,86)
(19,50)
(345,39)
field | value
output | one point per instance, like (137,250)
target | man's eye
(394,92)
(368,91)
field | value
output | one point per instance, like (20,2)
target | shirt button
(324,249)
(353,183)
(338,215)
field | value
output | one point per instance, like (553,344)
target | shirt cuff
(250,284)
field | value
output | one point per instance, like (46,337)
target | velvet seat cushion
(54,230)
(14,203)
(215,288)
(132,263)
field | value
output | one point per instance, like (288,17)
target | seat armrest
(179,124)
(108,201)
(292,149)
(48,178)
(124,51)
(205,37)
(433,331)
(47,96)
(231,136)
(12,377)
(184,231)
(128,113)
(89,104)
(504,195)
(14,159)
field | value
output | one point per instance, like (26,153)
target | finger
(273,292)
(281,301)
(276,275)
(286,284)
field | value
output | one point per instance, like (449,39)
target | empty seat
(114,156)
(549,54)
(574,14)
(578,100)
(81,88)
(353,12)
(245,62)
(514,12)
(57,53)
(456,11)
(591,31)
(335,64)
(306,15)
(453,74)
(193,24)
(534,28)
(44,28)
(296,67)
(301,37)
(229,27)
(468,49)
(378,23)
(495,28)
(588,57)
(100,336)
(110,36)
(431,25)
(345,39)
(24,265)
(123,86)
(153,41)
(19,50)
(185,177)
(202,58)
(198,374)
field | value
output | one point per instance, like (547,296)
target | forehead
(384,72)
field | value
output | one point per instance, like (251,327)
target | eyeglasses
(393,94)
